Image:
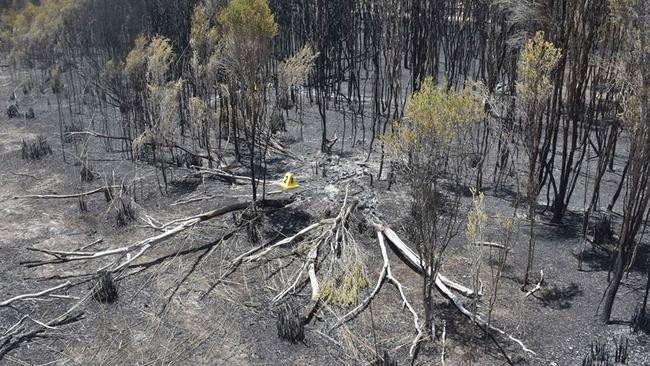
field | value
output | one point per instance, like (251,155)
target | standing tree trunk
(638,194)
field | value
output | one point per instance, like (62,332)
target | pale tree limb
(444,343)
(293,284)
(95,134)
(459,305)
(331,236)
(191,200)
(413,260)
(34,295)
(489,244)
(9,332)
(66,196)
(539,284)
(152,222)
(224,174)
(312,307)
(314,237)
(286,241)
(15,331)
(20,332)
(252,255)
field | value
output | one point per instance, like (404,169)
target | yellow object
(289,181)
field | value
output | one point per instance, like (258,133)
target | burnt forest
(324,182)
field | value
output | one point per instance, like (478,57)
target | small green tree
(148,68)
(249,26)
(537,61)
(430,147)
(203,36)
(294,70)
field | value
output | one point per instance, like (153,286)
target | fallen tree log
(403,251)
(489,244)
(95,134)
(225,175)
(413,261)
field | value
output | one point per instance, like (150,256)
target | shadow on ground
(599,259)
(559,298)
(287,222)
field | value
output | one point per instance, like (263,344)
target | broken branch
(65,196)
(539,284)
(34,295)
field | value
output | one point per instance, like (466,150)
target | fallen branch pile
(328,238)
(322,249)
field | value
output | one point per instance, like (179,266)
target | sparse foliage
(538,60)
(345,288)
(429,148)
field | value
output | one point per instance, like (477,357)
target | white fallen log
(408,254)
(444,343)
(95,134)
(224,174)
(312,307)
(191,200)
(414,261)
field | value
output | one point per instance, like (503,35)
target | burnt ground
(235,323)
